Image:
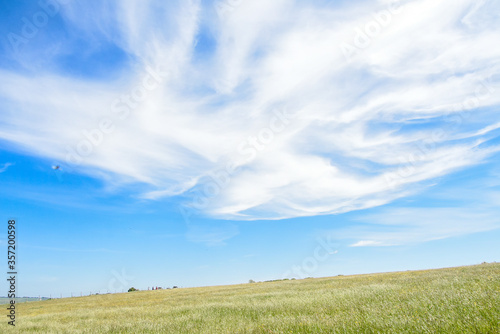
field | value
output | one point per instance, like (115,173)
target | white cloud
(365,132)
(402,226)
(5,167)
(452,211)
(214,235)
(365,243)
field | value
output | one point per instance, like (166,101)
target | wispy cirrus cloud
(418,103)
(215,235)
(5,166)
(452,211)
(404,226)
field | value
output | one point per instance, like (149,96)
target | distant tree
(132,289)
(251,281)
(175,287)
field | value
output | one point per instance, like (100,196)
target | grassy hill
(453,300)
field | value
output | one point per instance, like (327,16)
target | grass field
(454,300)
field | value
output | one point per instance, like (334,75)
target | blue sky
(206,143)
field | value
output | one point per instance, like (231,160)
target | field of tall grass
(453,300)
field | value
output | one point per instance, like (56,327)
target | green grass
(454,300)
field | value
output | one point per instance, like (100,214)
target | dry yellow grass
(453,300)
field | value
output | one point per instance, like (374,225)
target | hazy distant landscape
(452,300)
(5,300)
